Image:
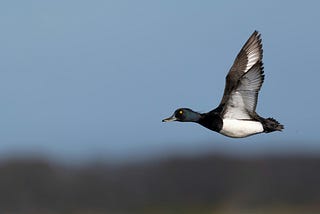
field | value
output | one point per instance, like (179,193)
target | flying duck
(236,115)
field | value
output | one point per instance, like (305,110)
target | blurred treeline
(210,184)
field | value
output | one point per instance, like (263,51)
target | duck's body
(235,116)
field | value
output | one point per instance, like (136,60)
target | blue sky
(86,80)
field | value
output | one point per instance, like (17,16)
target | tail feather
(271,124)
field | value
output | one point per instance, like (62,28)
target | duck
(236,115)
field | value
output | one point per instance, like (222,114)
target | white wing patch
(254,55)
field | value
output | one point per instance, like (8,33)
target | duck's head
(184,115)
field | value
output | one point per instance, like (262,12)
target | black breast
(212,121)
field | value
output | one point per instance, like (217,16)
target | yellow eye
(180,112)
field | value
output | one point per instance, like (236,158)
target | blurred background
(84,86)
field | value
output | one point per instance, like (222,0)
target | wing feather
(242,101)
(249,55)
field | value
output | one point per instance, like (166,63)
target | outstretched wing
(249,55)
(243,99)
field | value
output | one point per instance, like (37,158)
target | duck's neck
(194,116)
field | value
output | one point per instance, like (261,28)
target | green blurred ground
(198,185)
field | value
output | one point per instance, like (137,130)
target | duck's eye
(180,112)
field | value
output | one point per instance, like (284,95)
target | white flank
(240,128)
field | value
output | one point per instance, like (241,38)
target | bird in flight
(236,115)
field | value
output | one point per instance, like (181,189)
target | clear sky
(93,79)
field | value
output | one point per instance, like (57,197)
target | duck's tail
(271,125)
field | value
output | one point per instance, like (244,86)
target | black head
(183,115)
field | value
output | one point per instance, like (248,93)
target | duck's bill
(169,119)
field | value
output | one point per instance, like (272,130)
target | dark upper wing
(242,101)
(249,55)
